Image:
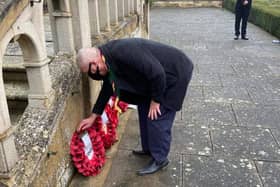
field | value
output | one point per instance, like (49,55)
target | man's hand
(245,2)
(154,110)
(86,123)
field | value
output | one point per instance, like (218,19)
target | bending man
(149,74)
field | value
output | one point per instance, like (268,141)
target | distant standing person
(242,11)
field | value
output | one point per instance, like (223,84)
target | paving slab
(191,139)
(219,171)
(216,68)
(227,94)
(124,167)
(276,135)
(257,115)
(253,143)
(131,137)
(269,172)
(206,80)
(194,99)
(210,113)
(265,95)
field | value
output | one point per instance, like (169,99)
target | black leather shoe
(153,167)
(236,37)
(141,153)
(244,38)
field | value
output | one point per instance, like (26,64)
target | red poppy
(106,126)
(123,106)
(88,166)
(102,134)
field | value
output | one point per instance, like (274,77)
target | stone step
(13,69)
(16,90)
(17,94)
(16,113)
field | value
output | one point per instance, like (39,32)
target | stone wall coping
(9,12)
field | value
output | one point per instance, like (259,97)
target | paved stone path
(228,132)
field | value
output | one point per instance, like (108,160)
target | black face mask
(95,76)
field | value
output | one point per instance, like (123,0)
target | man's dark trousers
(156,134)
(241,12)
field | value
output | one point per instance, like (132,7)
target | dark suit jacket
(239,5)
(145,70)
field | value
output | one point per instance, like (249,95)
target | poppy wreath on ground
(89,158)
(106,126)
(108,122)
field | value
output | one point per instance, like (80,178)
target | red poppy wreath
(106,126)
(88,153)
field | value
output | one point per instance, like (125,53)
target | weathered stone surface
(194,98)
(9,12)
(131,137)
(266,94)
(124,167)
(191,139)
(255,143)
(226,94)
(276,134)
(269,172)
(206,80)
(219,171)
(194,117)
(257,115)
(223,68)
(219,114)
(209,113)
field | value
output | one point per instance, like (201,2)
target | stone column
(121,9)
(104,15)
(132,6)
(40,91)
(81,23)
(146,12)
(113,12)
(136,6)
(126,7)
(8,153)
(94,17)
(61,24)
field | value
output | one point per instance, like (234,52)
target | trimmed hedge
(267,16)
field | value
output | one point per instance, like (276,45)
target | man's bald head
(87,55)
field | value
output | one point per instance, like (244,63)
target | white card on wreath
(104,118)
(88,145)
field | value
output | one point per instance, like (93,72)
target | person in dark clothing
(146,73)
(242,11)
